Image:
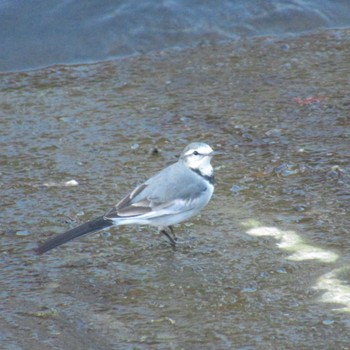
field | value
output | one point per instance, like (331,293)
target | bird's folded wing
(151,205)
(126,207)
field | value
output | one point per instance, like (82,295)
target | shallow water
(265,266)
(39,33)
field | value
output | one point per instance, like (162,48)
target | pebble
(106,234)
(235,189)
(281,270)
(22,233)
(286,169)
(327,322)
(249,290)
(71,183)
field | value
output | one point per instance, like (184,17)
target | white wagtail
(173,195)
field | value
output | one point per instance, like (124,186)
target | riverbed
(265,265)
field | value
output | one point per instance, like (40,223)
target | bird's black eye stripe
(195,153)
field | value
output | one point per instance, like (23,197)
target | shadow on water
(266,265)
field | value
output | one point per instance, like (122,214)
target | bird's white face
(197,156)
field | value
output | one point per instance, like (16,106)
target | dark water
(37,33)
(266,265)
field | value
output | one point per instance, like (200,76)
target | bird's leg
(166,234)
(173,233)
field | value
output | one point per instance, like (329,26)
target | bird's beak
(215,153)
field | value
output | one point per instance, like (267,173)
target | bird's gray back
(174,182)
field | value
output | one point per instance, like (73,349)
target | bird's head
(197,156)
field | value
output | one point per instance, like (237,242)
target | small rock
(249,290)
(327,322)
(299,208)
(106,234)
(335,173)
(22,233)
(235,189)
(284,47)
(281,270)
(154,151)
(71,183)
(286,170)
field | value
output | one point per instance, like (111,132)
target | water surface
(39,33)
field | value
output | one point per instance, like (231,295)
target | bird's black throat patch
(209,178)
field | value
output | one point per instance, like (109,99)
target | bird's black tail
(89,227)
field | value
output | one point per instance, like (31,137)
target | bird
(171,196)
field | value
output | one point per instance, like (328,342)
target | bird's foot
(169,234)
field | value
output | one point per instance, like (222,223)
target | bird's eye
(195,153)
